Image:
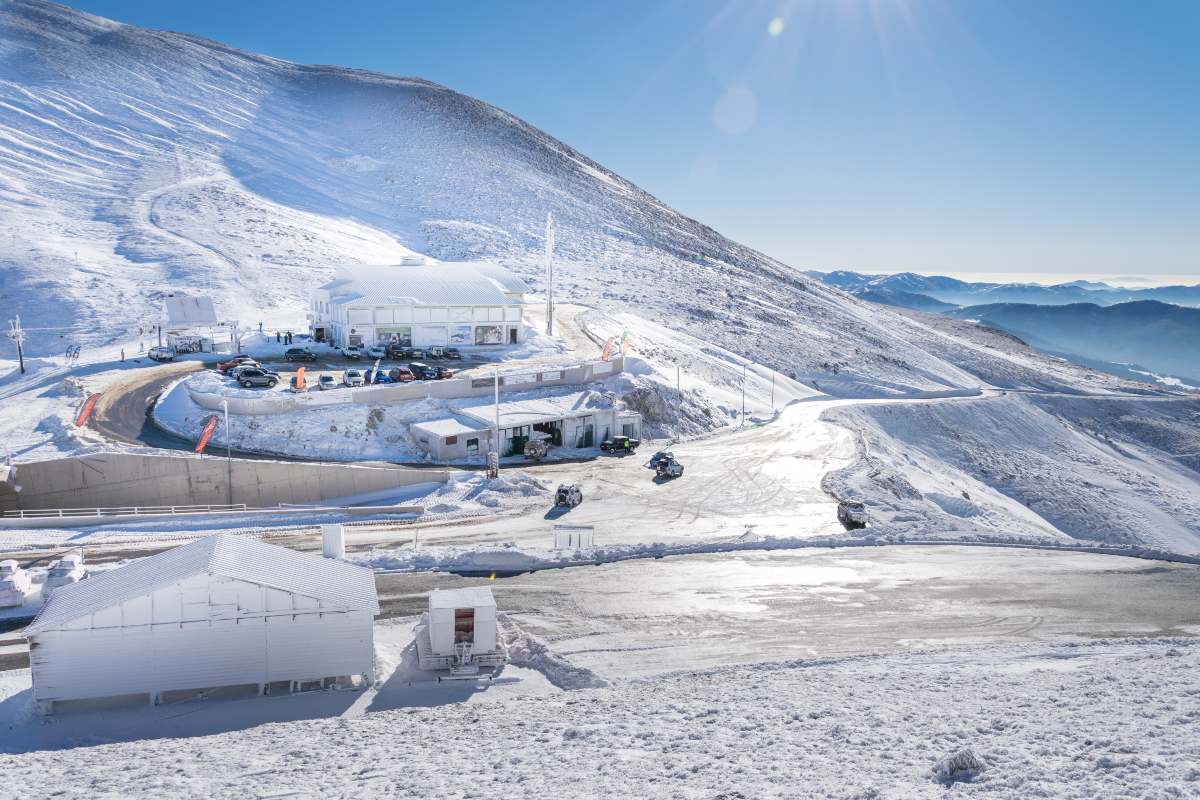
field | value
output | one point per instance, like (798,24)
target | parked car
(67,570)
(852,514)
(375,351)
(416,354)
(397,352)
(453,353)
(620,445)
(326,381)
(299,354)
(161,353)
(15,584)
(379,376)
(257,376)
(352,351)
(225,366)
(568,496)
(235,372)
(437,352)
(294,384)
(538,446)
(668,468)
(401,375)
(424,372)
(443,373)
(353,377)
(661,455)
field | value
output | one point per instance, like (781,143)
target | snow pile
(525,650)
(962,765)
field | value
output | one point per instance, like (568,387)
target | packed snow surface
(1109,719)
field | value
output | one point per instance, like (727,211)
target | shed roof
(188,310)
(471,597)
(450,426)
(239,557)
(462,283)
(532,410)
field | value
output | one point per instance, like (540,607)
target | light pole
(493,457)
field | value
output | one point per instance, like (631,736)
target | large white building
(222,611)
(420,303)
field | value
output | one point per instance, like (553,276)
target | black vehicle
(299,354)
(443,373)
(257,377)
(424,372)
(453,353)
(659,457)
(398,353)
(620,445)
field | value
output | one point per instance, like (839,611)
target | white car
(352,352)
(67,570)
(161,353)
(353,377)
(326,381)
(375,351)
(15,584)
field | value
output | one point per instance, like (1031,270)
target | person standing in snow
(278,339)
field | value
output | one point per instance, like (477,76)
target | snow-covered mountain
(135,162)
(971,293)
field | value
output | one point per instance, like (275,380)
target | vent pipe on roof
(333,541)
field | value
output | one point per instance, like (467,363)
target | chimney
(333,541)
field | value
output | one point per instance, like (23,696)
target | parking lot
(330,361)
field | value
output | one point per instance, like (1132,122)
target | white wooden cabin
(457,617)
(222,611)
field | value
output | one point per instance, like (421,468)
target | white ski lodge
(420,303)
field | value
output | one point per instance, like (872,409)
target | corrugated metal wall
(207,631)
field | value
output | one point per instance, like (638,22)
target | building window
(451,440)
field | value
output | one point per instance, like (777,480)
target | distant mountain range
(1160,336)
(965,293)
(1146,337)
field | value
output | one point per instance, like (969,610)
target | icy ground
(1107,719)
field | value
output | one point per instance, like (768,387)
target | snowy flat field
(1108,719)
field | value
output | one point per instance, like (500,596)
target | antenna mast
(549,273)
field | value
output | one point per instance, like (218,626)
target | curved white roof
(439,283)
(340,584)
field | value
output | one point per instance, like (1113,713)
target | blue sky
(975,136)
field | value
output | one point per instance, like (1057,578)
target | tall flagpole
(549,274)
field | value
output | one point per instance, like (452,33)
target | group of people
(284,337)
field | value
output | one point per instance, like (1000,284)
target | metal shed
(459,630)
(221,611)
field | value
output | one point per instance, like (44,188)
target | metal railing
(41,513)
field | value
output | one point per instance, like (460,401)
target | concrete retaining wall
(388,394)
(109,480)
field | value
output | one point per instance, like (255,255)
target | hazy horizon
(1147,281)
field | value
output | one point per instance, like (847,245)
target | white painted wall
(204,632)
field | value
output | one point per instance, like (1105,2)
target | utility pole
(549,274)
(493,456)
(18,336)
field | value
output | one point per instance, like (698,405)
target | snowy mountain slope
(1110,470)
(133,162)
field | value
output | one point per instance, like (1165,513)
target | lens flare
(775,26)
